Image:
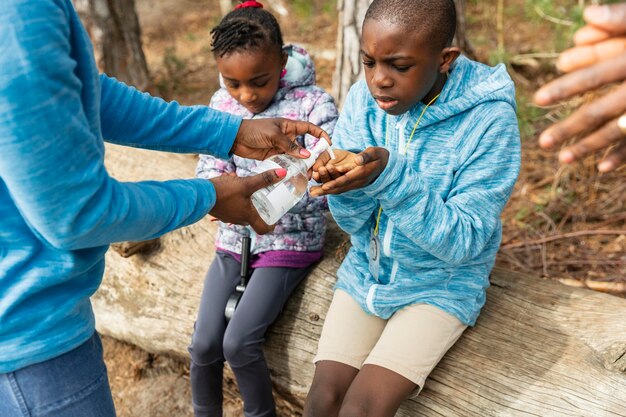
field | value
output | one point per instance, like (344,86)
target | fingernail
(304,152)
(281,172)
(566,157)
(606,166)
(358,160)
(542,97)
(597,14)
(546,141)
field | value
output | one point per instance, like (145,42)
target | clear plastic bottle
(274,201)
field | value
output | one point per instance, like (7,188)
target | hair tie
(250,3)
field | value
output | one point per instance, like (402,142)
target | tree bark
(539,347)
(115,32)
(348,68)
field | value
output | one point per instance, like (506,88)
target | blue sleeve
(458,228)
(353,211)
(132,118)
(51,159)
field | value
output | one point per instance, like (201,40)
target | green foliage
(565,17)
(305,9)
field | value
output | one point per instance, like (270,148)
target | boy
(441,156)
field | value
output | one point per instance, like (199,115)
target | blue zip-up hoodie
(441,198)
(59,208)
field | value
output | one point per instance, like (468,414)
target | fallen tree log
(539,348)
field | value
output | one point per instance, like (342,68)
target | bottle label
(281,198)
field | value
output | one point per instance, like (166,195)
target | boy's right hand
(350,171)
(233,204)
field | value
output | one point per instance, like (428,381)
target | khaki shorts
(410,343)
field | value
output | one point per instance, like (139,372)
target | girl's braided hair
(245,28)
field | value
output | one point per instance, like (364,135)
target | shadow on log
(539,348)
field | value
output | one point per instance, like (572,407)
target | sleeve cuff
(225,135)
(390,174)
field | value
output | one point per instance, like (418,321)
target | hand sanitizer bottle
(274,201)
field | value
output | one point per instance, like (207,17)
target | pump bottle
(274,201)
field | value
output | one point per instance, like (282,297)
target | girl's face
(401,68)
(252,77)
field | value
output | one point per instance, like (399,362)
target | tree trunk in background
(348,67)
(115,32)
(226,6)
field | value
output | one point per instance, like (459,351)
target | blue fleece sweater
(441,198)
(59,208)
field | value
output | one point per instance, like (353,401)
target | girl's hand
(354,171)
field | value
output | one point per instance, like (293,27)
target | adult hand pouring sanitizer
(277,199)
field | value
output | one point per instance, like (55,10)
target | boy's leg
(348,336)
(413,342)
(207,356)
(71,385)
(260,305)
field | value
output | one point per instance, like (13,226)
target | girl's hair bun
(249,3)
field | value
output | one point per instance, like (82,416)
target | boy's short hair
(436,17)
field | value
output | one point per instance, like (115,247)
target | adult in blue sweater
(59,208)
(439,152)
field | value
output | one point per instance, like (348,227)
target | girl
(260,78)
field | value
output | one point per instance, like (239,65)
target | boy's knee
(323,396)
(356,407)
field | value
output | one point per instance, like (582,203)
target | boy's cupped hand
(349,171)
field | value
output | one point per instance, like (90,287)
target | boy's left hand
(352,171)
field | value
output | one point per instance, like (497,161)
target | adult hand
(233,204)
(598,59)
(262,138)
(352,171)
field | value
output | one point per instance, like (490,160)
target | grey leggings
(241,342)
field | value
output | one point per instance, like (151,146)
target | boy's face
(252,77)
(401,66)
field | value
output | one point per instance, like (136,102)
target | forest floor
(562,223)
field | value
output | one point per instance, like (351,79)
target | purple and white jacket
(302,229)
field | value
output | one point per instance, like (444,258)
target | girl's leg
(260,305)
(414,340)
(207,357)
(348,336)
(74,384)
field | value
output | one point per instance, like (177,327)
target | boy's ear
(448,56)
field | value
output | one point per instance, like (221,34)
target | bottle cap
(317,150)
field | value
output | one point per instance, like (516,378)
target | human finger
(600,139)
(611,18)
(324,176)
(321,161)
(355,178)
(333,172)
(587,118)
(585,56)
(588,34)
(299,128)
(581,81)
(264,179)
(615,159)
